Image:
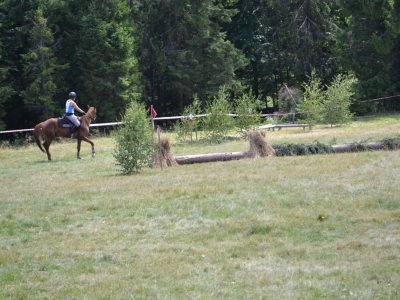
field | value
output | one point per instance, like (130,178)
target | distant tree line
(167,53)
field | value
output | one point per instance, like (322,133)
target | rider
(69,113)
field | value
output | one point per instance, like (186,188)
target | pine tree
(284,40)
(105,59)
(183,51)
(370,47)
(6,89)
(312,32)
(40,66)
(134,140)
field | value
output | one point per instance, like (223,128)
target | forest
(166,53)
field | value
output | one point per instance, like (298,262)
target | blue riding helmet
(72,95)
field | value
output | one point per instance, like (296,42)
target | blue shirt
(69,109)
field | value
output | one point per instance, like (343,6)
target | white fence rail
(153,120)
(91,125)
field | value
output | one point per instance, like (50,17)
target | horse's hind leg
(46,145)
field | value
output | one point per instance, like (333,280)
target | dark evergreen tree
(104,59)
(371,49)
(20,41)
(40,65)
(15,42)
(201,60)
(6,87)
(257,29)
(284,41)
(152,49)
(312,30)
(183,51)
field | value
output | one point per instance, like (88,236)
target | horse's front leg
(78,148)
(91,143)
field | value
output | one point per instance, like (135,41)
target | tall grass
(307,227)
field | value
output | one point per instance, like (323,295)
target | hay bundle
(259,146)
(164,156)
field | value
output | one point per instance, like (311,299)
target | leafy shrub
(247,108)
(134,140)
(217,124)
(269,120)
(391,144)
(311,106)
(301,149)
(337,100)
(329,104)
(184,127)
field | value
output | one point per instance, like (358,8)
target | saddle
(64,122)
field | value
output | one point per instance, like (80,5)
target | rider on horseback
(69,113)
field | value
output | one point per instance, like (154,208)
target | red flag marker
(153,112)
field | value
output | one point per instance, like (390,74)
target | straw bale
(259,146)
(164,154)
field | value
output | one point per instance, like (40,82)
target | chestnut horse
(50,129)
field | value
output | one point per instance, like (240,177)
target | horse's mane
(91,112)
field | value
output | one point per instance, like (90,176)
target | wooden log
(202,158)
(213,157)
(353,147)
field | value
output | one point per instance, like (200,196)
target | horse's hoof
(93,155)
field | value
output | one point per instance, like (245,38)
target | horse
(51,129)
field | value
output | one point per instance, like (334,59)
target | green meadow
(299,227)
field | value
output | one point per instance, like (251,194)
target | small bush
(217,124)
(134,140)
(269,120)
(311,106)
(247,108)
(337,100)
(301,149)
(391,144)
(184,127)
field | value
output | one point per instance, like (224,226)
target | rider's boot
(72,132)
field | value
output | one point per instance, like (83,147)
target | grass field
(309,227)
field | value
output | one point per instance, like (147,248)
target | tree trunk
(354,147)
(202,158)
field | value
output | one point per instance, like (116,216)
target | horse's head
(92,112)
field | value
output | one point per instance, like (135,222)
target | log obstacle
(202,158)
(358,147)
(259,147)
(213,157)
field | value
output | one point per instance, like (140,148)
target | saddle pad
(63,122)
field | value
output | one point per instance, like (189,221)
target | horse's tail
(36,136)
